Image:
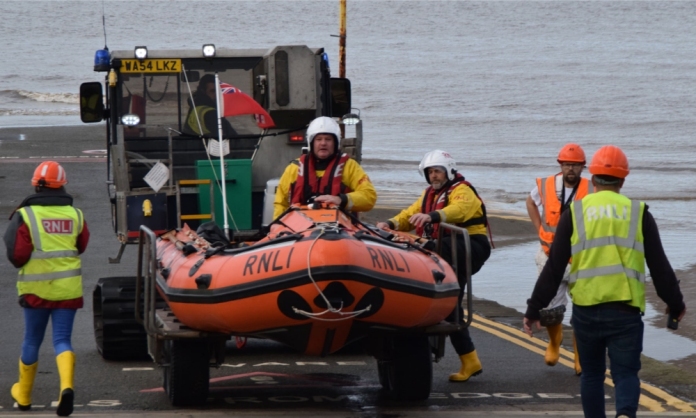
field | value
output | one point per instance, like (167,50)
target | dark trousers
(480,251)
(599,329)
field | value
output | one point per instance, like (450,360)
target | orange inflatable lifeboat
(318,281)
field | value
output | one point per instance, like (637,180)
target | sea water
(502,86)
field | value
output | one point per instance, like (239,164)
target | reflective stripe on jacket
(192,122)
(54,270)
(551,207)
(607,250)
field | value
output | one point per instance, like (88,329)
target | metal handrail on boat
(145,286)
(159,323)
(455,230)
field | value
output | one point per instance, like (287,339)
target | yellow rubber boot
(471,366)
(553,351)
(21,391)
(66,370)
(576,357)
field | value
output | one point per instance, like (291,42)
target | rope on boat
(330,309)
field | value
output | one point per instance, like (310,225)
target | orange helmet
(49,174)
(571,153)
(610,161)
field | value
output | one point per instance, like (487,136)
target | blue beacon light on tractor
(325,58)
(101,60)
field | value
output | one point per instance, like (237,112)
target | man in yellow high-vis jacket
(610,239)
(44,240)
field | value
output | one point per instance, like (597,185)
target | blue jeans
(36,320)
(598,329)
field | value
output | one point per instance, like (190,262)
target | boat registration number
(151,66)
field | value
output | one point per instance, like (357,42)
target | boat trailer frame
(161,324)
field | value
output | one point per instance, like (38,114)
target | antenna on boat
(101,57)
(104,25)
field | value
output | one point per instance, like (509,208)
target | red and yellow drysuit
(341,176)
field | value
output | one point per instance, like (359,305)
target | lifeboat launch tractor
(202,136)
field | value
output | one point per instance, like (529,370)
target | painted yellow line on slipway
(538,346)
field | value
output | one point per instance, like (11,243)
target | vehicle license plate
(151,66)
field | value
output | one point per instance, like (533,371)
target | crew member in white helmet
(452,199)
(324,174)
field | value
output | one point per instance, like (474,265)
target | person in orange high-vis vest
(44,239)
(550,197)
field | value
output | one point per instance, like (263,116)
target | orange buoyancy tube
(552,207)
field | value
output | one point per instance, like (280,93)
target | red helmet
(571,153)
(610,161)
(49,174)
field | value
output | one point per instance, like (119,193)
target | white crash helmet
(323,125)
(438,158)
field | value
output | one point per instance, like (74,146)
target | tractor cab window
(186,101)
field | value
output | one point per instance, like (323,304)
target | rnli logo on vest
(594,213)
(58,226)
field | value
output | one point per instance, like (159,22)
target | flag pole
(223,179)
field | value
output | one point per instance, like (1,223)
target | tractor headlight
(130,119)
(141,52)
(208,50)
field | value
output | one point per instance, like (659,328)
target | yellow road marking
(669,399)
(514,335)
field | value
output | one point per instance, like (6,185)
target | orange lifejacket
(308,185)
(439,199)
(551,207)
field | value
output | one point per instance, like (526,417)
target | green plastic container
(238,189)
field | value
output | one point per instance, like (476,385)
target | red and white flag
(235,102)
